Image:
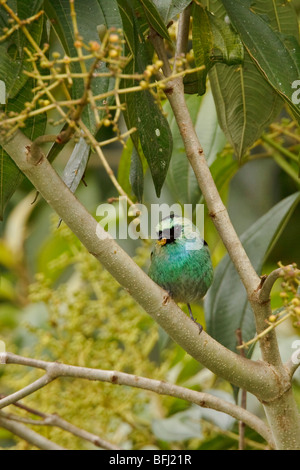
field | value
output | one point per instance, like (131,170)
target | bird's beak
(162,242)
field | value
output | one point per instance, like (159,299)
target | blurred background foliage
(58,303)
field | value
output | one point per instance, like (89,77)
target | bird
(181,262)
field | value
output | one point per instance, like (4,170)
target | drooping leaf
(213,41)
(154,19)
(13,58)
(10,175)
(76,165)
(226,304)
(89,15)
(136,175)
(153,136)
(168,9)
(240,91)
(276,56)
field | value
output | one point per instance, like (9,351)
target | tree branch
(57,421)
(256,377)
(267,284)
(28,434)
(205,400)
(285,436)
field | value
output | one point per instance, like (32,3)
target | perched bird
(180,261)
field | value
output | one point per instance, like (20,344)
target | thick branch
(255,377)
(217,210)
(120,378)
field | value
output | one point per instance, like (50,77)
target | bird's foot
(194,319)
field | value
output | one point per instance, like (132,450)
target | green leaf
(13,58)
(89,15)
(124,167)
(213,41)
(276,56)
(153,138)
(226,304)
(136,176)
(240,91)
(154,19)
(181,179)
(168,9)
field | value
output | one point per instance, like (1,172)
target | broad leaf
(153,136)
(276,56)
(168,9)
(226,304)
(13,58)
(136,175)
(154,19)
(75,168)
(213,41)
(89,15)
(240,91)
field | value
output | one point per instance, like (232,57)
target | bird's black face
(169,235)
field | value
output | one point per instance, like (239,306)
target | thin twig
(57,421)
(57,369)
(243,397)
(28,434)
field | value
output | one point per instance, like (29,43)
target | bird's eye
(160,234)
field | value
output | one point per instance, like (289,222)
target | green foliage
(73,311)
(87,320)
(276,56)
(213,41)
(153,138)
(227,310)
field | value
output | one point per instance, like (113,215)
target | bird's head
(174,227)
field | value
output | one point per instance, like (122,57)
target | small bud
(144,85)
(94,45)
(114,37)
(272,318)
(158,64)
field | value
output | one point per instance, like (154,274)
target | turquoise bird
(180,261)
